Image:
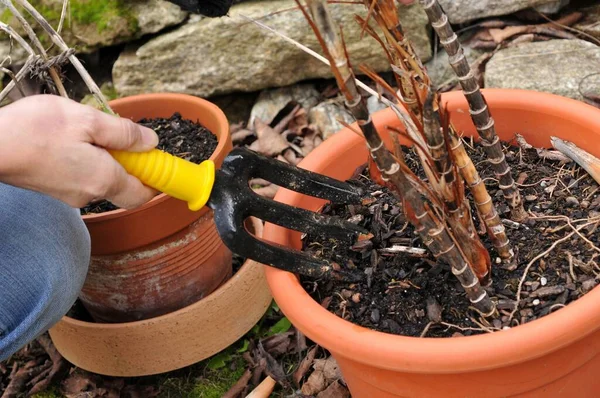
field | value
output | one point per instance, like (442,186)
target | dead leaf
(330,369)
(241,135)
(312,139)
(278,344)
(269,142)
(315,383)
(300,341)
(299,122)
(282,159)
(483,34)
(239,386)
(77,383)
(284,122)
(273,368)
(305,365)
(291,157)
(335,390)
(58,370)
(499,35)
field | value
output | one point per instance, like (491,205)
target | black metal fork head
(233,201)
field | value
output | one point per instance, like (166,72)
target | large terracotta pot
(555,356)
(162,256)
(174,340)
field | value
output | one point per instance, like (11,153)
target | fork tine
(239,240)
(299,180)
(302,220)
(233,201)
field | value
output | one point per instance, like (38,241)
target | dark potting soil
(236,263)
(404,294)
(178,136)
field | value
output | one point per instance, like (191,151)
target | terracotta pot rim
(439,355)
(235,278)
(160,198)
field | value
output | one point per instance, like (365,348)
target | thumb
(114,132)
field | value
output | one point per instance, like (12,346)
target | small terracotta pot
(172,341)
(161,256)
(554,356)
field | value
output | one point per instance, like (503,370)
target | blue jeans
(44,257)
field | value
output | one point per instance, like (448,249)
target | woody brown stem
(483,201)
(480,114)
(451,189)
(431,228)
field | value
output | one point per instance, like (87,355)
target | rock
(222,55)
(590,23)
(461,11)
(588,285)
(271,102)
(555,66)
(375,316)
(155,15)
(572,201)
(552,7)
(93,24)
(325,116)
(374,104)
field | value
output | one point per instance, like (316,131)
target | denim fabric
(44,257)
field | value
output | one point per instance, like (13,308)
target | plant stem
(479,111)
(60,43)
(409,71)
(430,227)
(17,78)
(451,189)
(483,201)
(38,45)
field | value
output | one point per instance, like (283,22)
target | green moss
(101,13)
(109,91)
(213,383)
(50,393)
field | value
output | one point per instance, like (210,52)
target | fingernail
(149,137)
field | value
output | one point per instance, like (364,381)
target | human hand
(56,146)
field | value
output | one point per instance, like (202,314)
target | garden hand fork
(228,193)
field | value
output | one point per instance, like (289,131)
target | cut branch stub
(479,110)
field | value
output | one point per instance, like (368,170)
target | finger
(128,192)
(113,132)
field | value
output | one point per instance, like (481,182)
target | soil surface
(405,294)
(178,136)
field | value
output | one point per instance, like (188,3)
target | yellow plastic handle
(171,175)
